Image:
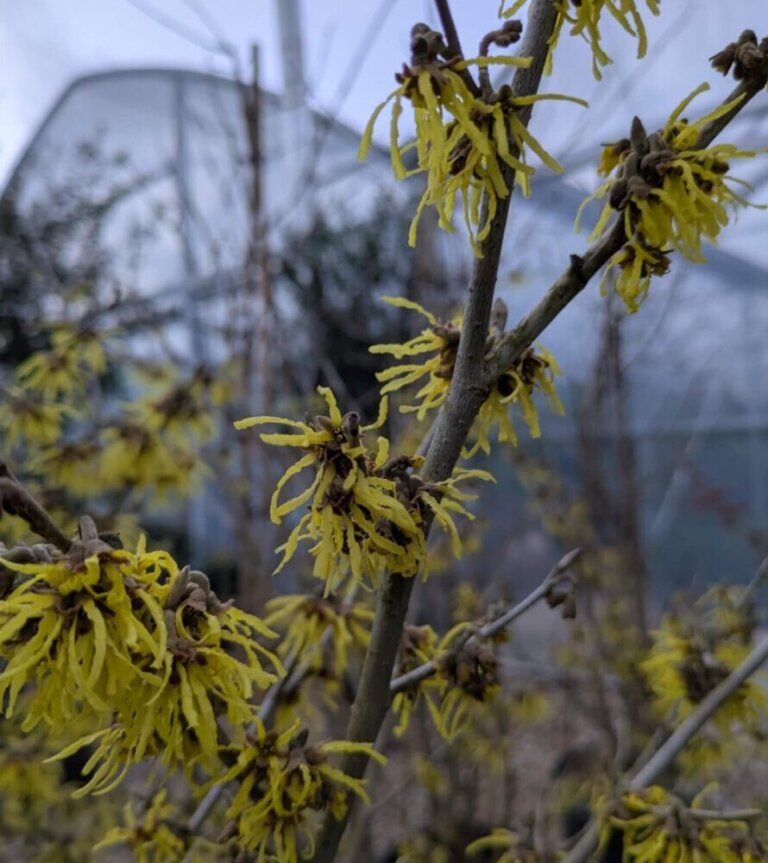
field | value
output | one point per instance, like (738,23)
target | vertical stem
(466,396)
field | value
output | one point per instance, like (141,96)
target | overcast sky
(45,44)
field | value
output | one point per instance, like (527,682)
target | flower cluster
(465,139)
(466,672)
(670,193)
(439,341)
(657,826)
(138,643)
(52,418)
(34,408)
(584,19)
(156,442)
(282,781)
(366,510)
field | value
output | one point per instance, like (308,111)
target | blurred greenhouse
(666,412)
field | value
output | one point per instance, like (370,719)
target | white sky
(44,44)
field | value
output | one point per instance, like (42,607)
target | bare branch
(449,28)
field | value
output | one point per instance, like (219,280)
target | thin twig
(740,96)
(16,500)
(453,43)
(730,815)
(750,590)
(427,669)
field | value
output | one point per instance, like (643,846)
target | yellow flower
(154,837)
(83,628)
(584,19)
(444,499)
(40,821)
(535,370)
(479,742)
(181,410)
(467,673)
(28,788)
(693,652)
(632,268)
(74,355)
(356,522)
(367,510)
(165,464)
(307,619)
(72,465)
(25,418)
(612,155)
(671,197)
(439,339)
(462,140)
(282,780)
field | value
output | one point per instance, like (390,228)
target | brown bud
(499,314)
(638,137)
(657,143)
(420,29)
(503,37)
(426,45)
(350,425)
(747,37)
(631,165)
(749,60)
